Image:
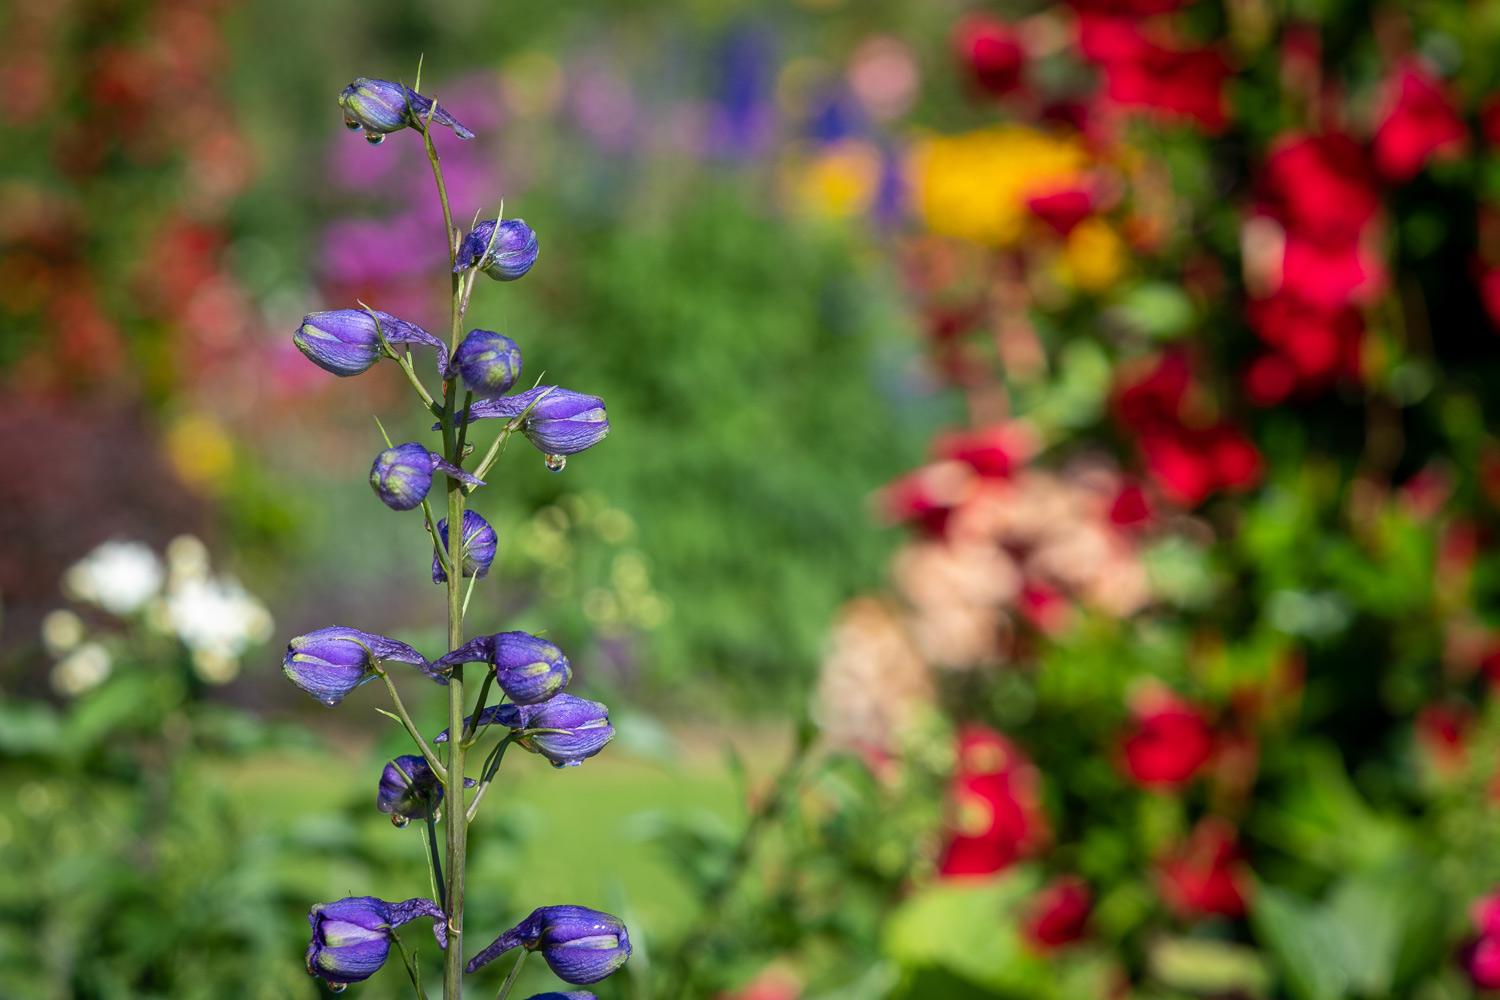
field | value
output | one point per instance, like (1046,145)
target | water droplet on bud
(556,463)
(374,138)
(351,125)
(336,987)
(398,820)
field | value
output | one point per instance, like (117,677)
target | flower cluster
(352,937)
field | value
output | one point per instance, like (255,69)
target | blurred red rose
(1204,877)
(996,803)
(1419,123)
(1481,956)
(1189,465)
(1058,914)
(1139,72)
(991,54)
(1130,508)
(1169,742)
(1319,186)
(1062,209)
(926,497)
(994,451)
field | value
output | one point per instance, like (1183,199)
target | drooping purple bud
(581,945)
(333,661)
(380,107)
(408,789)
(352,937)
(401,476)
(565,730)
(564,422)
(505,251)
(479,544)
(569,995)
(489,363)
(528,668)
(347,342)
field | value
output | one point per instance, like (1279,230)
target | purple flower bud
(352,937)
(528,668)
(566,730)
(408,789)
(478,546)
(564,422)
(380,106)
(333,661)
(569,995)
(401,476)
(504,253)
(346,342)
(489,362)
(581,945)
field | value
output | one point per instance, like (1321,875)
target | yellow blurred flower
(200,451)
(838,181)
(974,185)
(1094,257)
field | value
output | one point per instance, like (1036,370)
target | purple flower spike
(528,668)
(380,107)
(333,661)
(505,252)
(488,362)
(479,545)
(401,476)
(581,945)
(352,937)
(346,342)
(566,730)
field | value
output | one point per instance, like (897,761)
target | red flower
(1173,83)
(1171,740)
(1442,736)
(1204,877)
(1062,209)
(994,451)
(1156,397)
(1481,956)
(1190,465)
(1058,914)
(991,54)
(926,496)
(1420,123)
(996,802)
(1319,187)
(1489,293)
(1270,379)
(1128,8)
(1130,508)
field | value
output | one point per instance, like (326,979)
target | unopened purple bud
(564,422)
(380,107)
(401,476)
(504,252)
(489,362)
(566,730)
(580,944)
(333,661)
(352,937)
(347,341)
(527,667)
(408,789)
(479,544)
(569,995)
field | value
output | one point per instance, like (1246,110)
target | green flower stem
(404,717)
(435,863)
(492,768)
(515,973)
(413,971)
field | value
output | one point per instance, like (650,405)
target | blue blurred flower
(581,945)
(504,253)
(381,106)
(352,937)
(333,661)
(488,362)
(345,341)
(479,543)
(528,668)
(401,476)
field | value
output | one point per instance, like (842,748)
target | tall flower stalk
(525,674)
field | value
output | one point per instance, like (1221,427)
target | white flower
(216,616)
(81,670)
(119,577)
(62,630)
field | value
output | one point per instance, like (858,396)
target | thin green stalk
(413,970)
(515,973)
(404,717)
(485,779)
(435,863)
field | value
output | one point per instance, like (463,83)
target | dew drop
(398,820)
(351,125)
(336,987)
(556,463)
(374,138)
